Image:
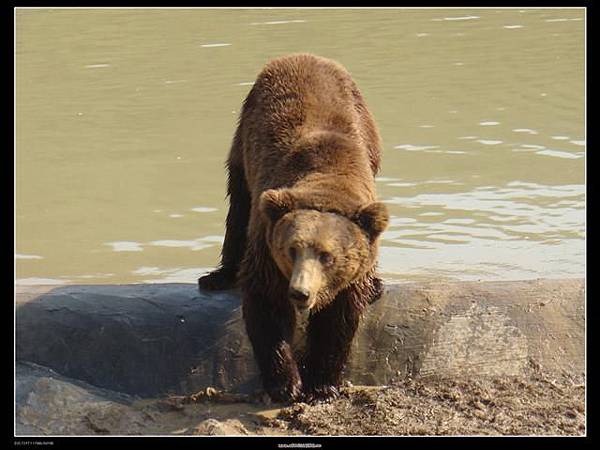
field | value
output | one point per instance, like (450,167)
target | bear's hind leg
(236,226)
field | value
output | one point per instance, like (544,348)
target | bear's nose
(299,294)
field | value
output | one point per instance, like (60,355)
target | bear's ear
(373,219)
(274,203)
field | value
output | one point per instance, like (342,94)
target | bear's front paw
(218,280)
(287,393)
(321,393)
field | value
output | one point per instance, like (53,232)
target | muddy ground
(538,404)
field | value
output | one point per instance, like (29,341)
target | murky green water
(124,118)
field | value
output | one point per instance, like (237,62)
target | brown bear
(302,230)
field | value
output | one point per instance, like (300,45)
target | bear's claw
(321,393)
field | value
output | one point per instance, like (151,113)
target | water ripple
(450,19)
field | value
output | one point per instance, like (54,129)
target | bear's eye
(292,253)
(326,258)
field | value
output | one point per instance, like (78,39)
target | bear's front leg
(330,335)
(269,332)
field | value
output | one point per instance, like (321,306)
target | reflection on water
(124,118)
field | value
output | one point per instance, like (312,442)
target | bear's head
(320,253)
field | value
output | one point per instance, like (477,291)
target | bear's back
(293,97)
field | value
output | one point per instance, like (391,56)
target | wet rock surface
(138,339)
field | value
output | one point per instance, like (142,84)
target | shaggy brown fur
(301,168)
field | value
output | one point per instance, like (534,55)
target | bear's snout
(306,279)
(300,296)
